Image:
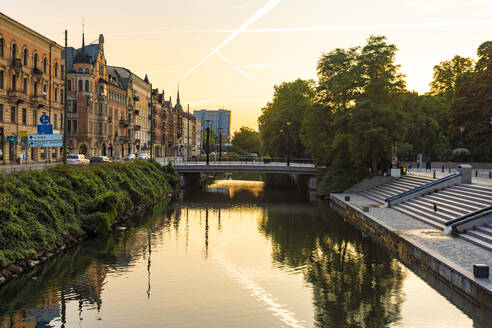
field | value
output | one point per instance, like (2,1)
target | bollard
(434,174)
(476,173)
(347,198)
(490,175)
(435,207)
(442,169)
(449,170)
(481,270)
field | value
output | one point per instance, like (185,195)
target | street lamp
(220,144)
(462,129)
(288,143)
(208,139)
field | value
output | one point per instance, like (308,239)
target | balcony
(136,98)
(137,127)
(124,122)
(16,95)
(37,71)
(39,101)
(124,138)
(136,112)
(16,64)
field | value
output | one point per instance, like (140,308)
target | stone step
(462,197)
(430,211)
(380,193)
(413,181)
(441,207)
(475,187)
(453,198)
(404,185)
(372,197)
(484,229)
(469,192)
(412,213)
(438,197)
(419,212)
(480,235)
(391,189)
(476,241)
(419,179)
(488,225)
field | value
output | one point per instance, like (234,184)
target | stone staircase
(395,187)
(453,202)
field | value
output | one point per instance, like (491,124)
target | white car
(143,156)
(129,157)
(77,159)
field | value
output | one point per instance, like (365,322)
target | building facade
(220,121)
(31,85)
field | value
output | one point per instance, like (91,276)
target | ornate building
(31,84)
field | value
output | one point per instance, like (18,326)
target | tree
(448,73)
(290,101)
(246,139)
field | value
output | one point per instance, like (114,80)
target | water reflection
(233,255)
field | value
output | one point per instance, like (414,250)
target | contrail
(359,27)
(227,60)
(260,13)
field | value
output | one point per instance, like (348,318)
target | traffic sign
(23,133)
(44,143)
(45,129)
(44,119)
(42,137)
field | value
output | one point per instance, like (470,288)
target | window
(56,94)
(25,57)
(56,121)
(1,80)
(62,96)
(86,71)
(74,106)
(44,91)
(69,85)
(80,85)
(14,82)
(35,61)
(69,125)
(62,71)
(14,51)
(74,126)
(80,70)
(13,114)
(62,123)
(1,47)
(24,116)
(100,108)
(45,65)
(56,69)
(1,112)
(34,117)
(24,85)
(35,91)
(87,85)
(101,69)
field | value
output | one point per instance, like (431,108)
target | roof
(92,50)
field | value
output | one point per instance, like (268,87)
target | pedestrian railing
(468,220)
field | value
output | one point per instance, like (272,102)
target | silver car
(77,159)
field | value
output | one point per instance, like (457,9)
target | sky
(230,53)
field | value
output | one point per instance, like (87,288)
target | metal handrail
(470,216)
(422,187)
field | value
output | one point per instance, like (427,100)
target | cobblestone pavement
(455,250)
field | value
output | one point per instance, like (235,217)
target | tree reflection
(355,284)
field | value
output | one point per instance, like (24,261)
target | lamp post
(288,143)
(208,139)
(220,144)
(462,129)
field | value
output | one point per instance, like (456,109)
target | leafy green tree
(290,101)
(448,73)
(246,139)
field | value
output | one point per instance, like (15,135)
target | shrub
(460,154)
(42,206)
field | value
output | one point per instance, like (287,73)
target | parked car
(100,160)
(129,157)
(143,156)
(77,159)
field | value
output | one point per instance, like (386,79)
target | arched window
(45,65)
(44,90)
(87,70)
(14,51)
(2,47)
(69,85)
(56,69)
(25,56)
(80,70)
(80,85)
(87,85)
(35,61)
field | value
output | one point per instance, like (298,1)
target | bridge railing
(239,160)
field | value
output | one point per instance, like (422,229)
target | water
(233,255)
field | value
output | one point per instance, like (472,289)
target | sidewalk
(11,168)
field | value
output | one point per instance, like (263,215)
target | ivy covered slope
(40,207)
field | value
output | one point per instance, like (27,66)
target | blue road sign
(45,129)
(44,119)
(11,138)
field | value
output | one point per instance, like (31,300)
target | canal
(230,255)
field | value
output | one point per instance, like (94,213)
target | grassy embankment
(41,207)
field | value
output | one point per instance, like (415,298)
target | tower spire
(83,41)
(178,101)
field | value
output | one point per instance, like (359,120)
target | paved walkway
(456,251)
(481,177)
